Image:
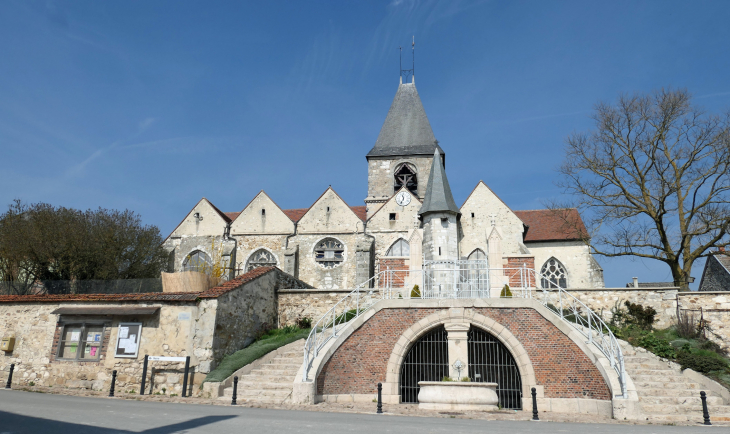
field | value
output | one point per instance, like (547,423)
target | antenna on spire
(408,72)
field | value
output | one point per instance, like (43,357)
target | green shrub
(505,292)
(304,323)
(447,378)
(640,315)
(416,292)
(465,379)
(703,363)
(658,346)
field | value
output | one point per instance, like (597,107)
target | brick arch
(467,316)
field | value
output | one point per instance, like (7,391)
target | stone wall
(294,304)
(715,306)
(560,366)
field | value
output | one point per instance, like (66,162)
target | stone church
(409,219)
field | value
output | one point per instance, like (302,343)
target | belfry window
(405,176)
(399,248)
(329,252)
(260,258)
(553,274)
(197,261)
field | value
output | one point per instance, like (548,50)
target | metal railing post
(380,398)
(144,375)
(705,413)
(10,376)
(185,378)
(114,380)
(235,390)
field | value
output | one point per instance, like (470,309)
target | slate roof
(652,285)
(549,225)
(406,130)
(438,193)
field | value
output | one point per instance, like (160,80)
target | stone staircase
(665,395)
(272,382)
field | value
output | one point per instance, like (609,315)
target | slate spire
(406,130)
(438,193)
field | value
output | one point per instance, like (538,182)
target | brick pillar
(457,335)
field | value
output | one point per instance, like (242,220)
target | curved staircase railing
(393,284)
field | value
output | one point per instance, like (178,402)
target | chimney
(721,249)
(636,282)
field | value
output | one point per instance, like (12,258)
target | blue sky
(152,105)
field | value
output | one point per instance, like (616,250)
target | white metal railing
(465,279)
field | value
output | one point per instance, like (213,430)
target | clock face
(403,198)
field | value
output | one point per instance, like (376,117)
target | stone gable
(330,215)
(262,216)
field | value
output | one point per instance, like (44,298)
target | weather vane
(408,72)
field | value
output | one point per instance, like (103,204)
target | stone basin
(457,395)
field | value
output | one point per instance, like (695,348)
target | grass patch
(272,340)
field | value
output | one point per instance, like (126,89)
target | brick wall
(519,262)
(565,371)
(394,265)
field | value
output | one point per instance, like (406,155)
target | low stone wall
(714,306)
(294,304)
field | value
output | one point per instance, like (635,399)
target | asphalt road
(25,412)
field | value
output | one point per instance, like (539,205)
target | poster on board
(128,339)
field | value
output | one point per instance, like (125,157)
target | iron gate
(427,360)
(491,362)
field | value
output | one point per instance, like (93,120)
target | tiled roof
(232,284)
(360,211)
(232,215)
(553,225)
(295,214)
(150,296)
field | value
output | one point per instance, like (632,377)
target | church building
(409,219)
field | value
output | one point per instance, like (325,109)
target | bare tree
(652,180)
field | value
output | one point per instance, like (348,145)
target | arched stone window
(329,252)
(477,255)
(405,175)
(197,261)
(399,248)
(553,274)
(260,258)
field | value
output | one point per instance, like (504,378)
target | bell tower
(403,153)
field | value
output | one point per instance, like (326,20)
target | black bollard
(185,378)
(10,376)
(705,413)
(144,374)
(534,404)
(235,390)
(114,380)
(380,398)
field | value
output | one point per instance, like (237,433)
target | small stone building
(76,341)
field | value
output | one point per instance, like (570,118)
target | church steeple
(438,193)
(406,130)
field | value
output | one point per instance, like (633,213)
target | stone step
(263,378)
(270,385)
(719,410)
(646,365)
(663,392)
(271,371)
(669,387)
(277,364)
(252,393)
(681,400)
(669,418)
(666,371)
(646,378)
